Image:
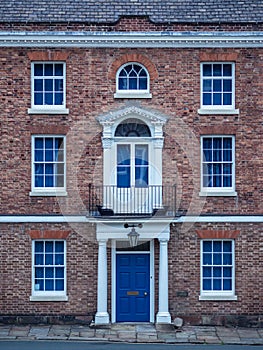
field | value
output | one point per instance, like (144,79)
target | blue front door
(133,288)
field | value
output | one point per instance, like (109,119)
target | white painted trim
(132,95)
(49,298)
(218,298)
(132,39)
(14,219)
(218,193)
(218,111)
(48,111)
(48,295)
(113,279)
(48,193)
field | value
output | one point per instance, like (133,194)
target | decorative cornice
(112,117)
(132,39)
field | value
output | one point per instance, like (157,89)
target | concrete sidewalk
(140,333)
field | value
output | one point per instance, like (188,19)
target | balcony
(153,200)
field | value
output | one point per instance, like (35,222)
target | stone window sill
(48,111)
(218,111)
(48,193)
(132,95)
(218,194)
(48,298)
(218,297)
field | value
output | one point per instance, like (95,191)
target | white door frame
(113,278)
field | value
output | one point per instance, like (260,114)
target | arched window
(132,78)
(132,127)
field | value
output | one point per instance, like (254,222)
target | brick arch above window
(218,234)
(133,57)
(47,55)
(48,234)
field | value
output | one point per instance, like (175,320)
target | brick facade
(90,87)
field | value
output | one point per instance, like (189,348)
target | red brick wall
(175,86)
(184,272)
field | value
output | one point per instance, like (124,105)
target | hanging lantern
(133,237)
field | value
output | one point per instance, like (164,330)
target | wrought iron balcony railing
(153,200)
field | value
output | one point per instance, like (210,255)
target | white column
(102,316)
(163,315)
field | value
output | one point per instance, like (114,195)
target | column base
(102,318)
(163,317)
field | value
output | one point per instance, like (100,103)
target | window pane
(227,246)
(217,70)
(227,85)
(39,272)
(59,69)
(217,85)
(39,181)
(227,181)
(217,259)
(39,259)
(38,99)
(227,272)
(207,272)
(207,155)
(207,259)
(123,83)
(58,99)
(123,154)
(217,284)
(48,85)
(48,69)
(59,259)
(123,176)
(227,70)
(133,84)
(207,285)
(227,155)
(48,98)
(217,169)
(217,272)
(217,246)
(38,85)
(39,284)
(49,169)
(207,99)
(207,246)
(207,143)
(227,259)
(227,99)
(38,69)
(49,259)
(39,247)
(59,272)
(143,84)
(217,99)
(49,272)
(59,247)
(49,284)
(217,155)
(207,85)
(59,285)
(58,85)
(141,176)
(207,70)
(217,142)
(227,284)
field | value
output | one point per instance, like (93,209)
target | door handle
(145,293)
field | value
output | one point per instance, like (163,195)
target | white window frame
(37,295)
(217,109)
(217,295)
(46,191)
(48,109)
(217,191)
(132,93)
